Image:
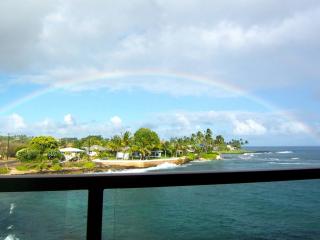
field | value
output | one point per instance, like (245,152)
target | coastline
(140,163)
(107,165)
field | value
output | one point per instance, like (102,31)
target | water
(279,210)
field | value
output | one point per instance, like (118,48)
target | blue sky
(243,68)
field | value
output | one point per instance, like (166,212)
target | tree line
(143,142)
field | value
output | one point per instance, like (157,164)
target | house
(122,156)
(136,155)
(71,154)
(156,154)
(94,150)
(230,148)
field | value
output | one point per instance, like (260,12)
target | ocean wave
(12,207)
(142,170)
(249,154)
(295,158)
(284,152)
(285,163)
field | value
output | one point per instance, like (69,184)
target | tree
(126,142)
(44,143)
(146,140)
(208,139)
(115,143)
(219,140)
(92,140)
(166,147)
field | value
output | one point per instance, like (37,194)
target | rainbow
(94,76)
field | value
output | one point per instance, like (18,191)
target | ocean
(277,210)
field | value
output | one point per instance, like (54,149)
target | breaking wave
(284,152)
(142,170)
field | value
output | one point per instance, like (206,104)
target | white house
(122,156)
(156,154)
(71,153)
(94,150)
(231,148)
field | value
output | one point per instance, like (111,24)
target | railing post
(95,212)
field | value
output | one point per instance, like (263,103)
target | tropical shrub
(27,155)
(191,156)
(55,155)
(56,167)
(89,165)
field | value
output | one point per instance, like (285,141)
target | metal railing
(96,183)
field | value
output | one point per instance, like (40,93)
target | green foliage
(44,143)
(4,170)
(145,140)
(55,155)
(92,140)
(115,143)
(42,166)
(191,157)
(22,168)
(28,155)
(219,140)
(80,164)
(56,167)
(89,165)
(209,156)
(105,155)
(27,166)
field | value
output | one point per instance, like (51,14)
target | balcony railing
(96,183)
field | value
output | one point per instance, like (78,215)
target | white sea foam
(284,152)
(285,163)
(12,207)
(295,158)
(11,237)
(201,161)
(245,157)
(142,170)
(10,227)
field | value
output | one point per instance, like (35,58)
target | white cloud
(210,41)
(291,127)
(258,128)
(248,127)
(69,119)
(116,121)
(16,122)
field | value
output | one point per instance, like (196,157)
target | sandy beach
(139,163)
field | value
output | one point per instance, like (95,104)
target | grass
(56,167)
(209,156)
(236,151)
(4,170)
(81,164)
(22,168)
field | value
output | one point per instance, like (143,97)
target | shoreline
(107,165)
(140,163)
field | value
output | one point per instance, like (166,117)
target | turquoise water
(279,210)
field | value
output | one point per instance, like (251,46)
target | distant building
(94,150)
(71,154)
(122,156)
(231,148)
(156,154)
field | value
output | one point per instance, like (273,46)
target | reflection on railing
(96,183)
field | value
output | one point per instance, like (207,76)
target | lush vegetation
(42,152)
